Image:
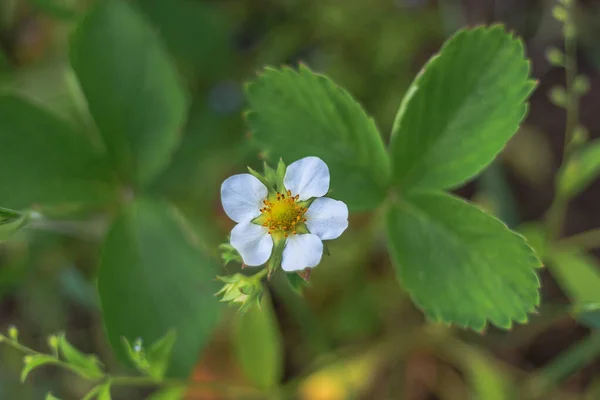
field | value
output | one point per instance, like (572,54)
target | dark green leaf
(159,355)
(461,265)
(34,362)
(194,31)
(460,111)
(259,345)
(87,364)
(153,278)
(132,89)
(44,162)
(295,114)
(11,221)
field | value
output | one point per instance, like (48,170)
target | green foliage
(579,276)
(194,31)
(44,162)
(259,346)
(173,393)
(36,361)
(151,255)
(460,111)
(86,364)
(580,171)
(159,355)
(131,87)
(11,221)
(312,116)
(459,264)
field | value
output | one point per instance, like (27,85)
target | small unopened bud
(555,57)
(560,13)
(581,85)
(558,96)
(53,341)
(242,290)
(13,333)
(137,345)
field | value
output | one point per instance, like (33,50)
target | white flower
(264,218)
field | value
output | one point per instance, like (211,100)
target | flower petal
(301,251)
(327,218)
(307,177)
(252,242)
(242,196)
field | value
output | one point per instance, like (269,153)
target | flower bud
(13,333)
(243,290)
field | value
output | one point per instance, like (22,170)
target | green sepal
(326,249)
(261,178)
(280,175)
(270,175)
(276,257)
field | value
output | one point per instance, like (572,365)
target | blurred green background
(373,48)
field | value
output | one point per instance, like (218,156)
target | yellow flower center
(283,214)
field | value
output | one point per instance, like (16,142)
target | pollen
(283,214)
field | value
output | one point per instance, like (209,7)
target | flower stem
(304,317)
(557,212)
(586,240)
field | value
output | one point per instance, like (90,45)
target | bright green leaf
(44,162)
(87,364)
(578,274)
(104,392)
(49,396)
(460,111)
(461,265)
(153,278)
(11,221)
(159,354)
(132,89)
(259,346)
(173,393)
(34,362)
(294,114)
(581,170)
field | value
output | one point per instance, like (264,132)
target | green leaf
(461,265)
(56,8)
(581,170)
(104,392)
(294,114)
(34,362)
(259,346)
(44,162)
(49,396)
(154,278)
(173,393)
(132,89)
(11,221)
(87,364)
(159,355)
(194,31)
(578,275)
(460,111)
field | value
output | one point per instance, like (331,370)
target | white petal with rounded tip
(327,218)
(252,242)
(242,196)
(307,177)
(301,251)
